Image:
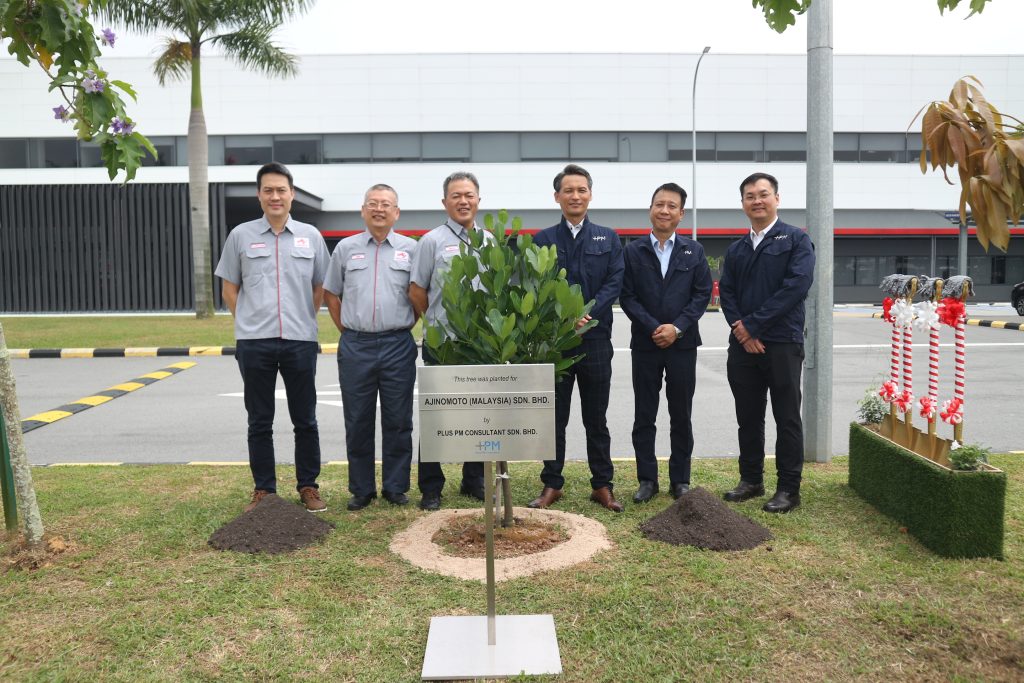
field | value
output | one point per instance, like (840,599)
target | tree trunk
(31,522)
(199,195)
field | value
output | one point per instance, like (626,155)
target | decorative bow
(886,308)
(950,311)
(927,316)
(888,391)
(903,313)
(952,411)
(927,404)
(904,402)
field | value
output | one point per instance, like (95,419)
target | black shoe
(679,489)
(646,491)
(430,501)
(782,501)
(395,498)
(471,489)
(744,491)
(359,502)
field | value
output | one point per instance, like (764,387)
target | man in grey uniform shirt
(366,289)
(433,254)
(272,271)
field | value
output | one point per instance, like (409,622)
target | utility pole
(817,403)
(693,151)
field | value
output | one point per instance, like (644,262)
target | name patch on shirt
(451,249)
(258,245)
(302,242)
(401,256)
(598,238)
(356,257)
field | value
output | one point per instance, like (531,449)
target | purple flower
(107,37)
(92,85)
(123,128)
(61,113)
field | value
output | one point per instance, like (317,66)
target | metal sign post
(488,413)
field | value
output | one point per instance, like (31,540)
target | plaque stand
(492,646)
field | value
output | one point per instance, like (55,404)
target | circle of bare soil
(585,538)
(273,526)
(701,519)
(22,556)
(466,536)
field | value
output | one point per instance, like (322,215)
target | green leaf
(125,87)
(508,325)
(507,351)
(526,306)
(489,222)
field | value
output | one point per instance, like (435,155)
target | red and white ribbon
(905,401)
(952,411)
(889,391)
(927,404)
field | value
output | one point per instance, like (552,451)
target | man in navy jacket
(665,291)
(764,283)
(592,258)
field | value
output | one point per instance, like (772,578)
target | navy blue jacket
(766,288)
(593,260)
(679,298)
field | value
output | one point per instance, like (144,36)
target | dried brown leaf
(957,146)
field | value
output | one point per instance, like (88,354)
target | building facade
(70,240)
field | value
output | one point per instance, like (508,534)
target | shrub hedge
(952,513)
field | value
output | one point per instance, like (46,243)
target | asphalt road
(197,415)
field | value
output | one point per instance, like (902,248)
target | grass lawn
(840,594)
(31,332)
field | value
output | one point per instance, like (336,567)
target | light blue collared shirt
(663,254)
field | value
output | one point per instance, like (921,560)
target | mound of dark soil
(466,536)
(274,526)
(701,519)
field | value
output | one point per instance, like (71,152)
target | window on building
(248,150)
(785,146)
(593,146)
(875,147)
(347,149)
(946,266)
(56,153)
(845,271)
(739,146)
(297,149)
(914,148)
(844,147)
(544,146)
(1014,269)
(643,147)
(165,150)
(13,153)
(89,155)
(396,147)
(680,144)
(446,147)
(494,147)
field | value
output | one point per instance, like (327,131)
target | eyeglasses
(385,206)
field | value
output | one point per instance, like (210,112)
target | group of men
(277,272)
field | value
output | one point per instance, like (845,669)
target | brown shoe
(604,497)
(257,496)
(310,497)
(546,499)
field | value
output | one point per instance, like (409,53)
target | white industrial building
(348,121)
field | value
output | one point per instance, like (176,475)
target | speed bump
(101,397)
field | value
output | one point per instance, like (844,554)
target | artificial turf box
(952,513)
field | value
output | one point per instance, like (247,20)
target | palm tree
(243,30)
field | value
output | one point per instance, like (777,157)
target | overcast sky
(686,26)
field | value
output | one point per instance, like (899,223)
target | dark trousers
(260,360)
(372,364)
(429,476)
(679,368)
(594,375)
(752,377)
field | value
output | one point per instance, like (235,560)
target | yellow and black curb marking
(139,352)
(69,409)
(979,322)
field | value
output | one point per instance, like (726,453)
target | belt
(375,335)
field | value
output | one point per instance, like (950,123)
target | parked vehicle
(1017,297)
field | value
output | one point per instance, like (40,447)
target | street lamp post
(693,150)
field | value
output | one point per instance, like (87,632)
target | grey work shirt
(275,275)
(373,282)
(433,255)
